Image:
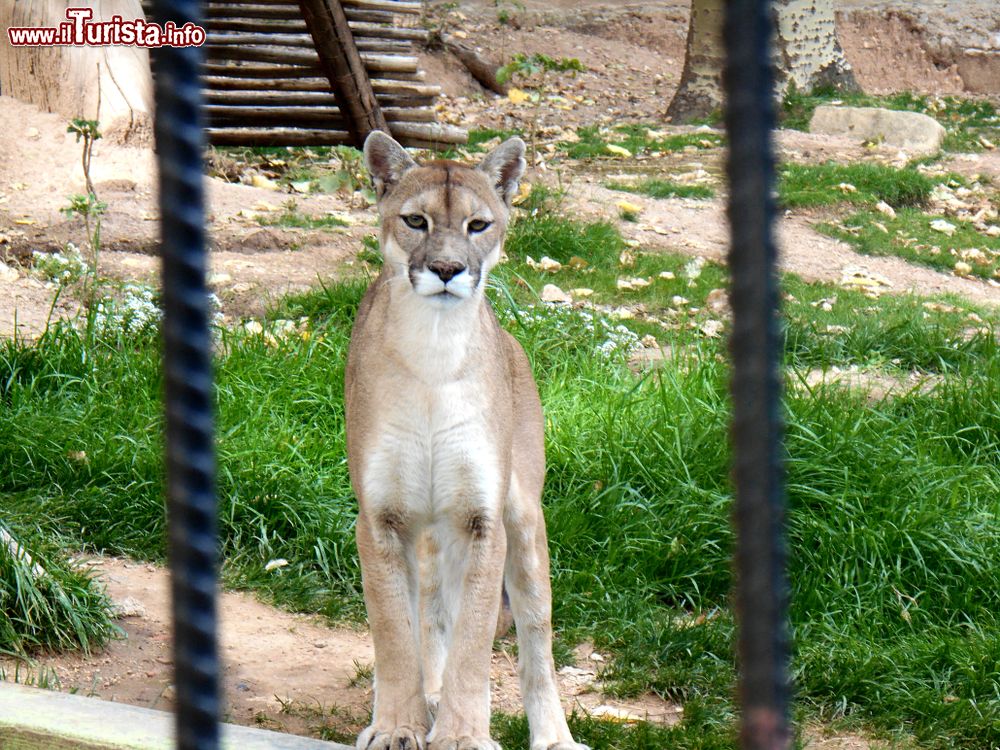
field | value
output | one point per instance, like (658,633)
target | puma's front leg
(463,716)
(388,569)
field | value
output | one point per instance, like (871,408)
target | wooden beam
(343,66)
(222,78)
(392,6)
(276,137)
(325,118)
(283,72)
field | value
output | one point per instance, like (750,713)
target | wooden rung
(392,6)
(279,72)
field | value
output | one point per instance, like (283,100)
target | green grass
(637,139)
(807,185)
(897,331)
(966,120)
(46,604)
(663,189)
(909,235)
(893,505)
(301,221)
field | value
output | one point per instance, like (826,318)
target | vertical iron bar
(187,364)
(761,588)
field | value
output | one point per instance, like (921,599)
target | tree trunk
(806,54)
(72,80)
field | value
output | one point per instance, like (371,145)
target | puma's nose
(446,269)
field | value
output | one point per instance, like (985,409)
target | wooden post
(342,65)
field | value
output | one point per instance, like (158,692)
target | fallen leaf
(846,187)
(302,186)
(552,293)
(962,268)
(522,193)
(577,263)
(581,292)
(711,328)
(617,150)
(630,207)
(274,564)
(517,96)
(940,225)
(260,181)
(667,275)
(618,715)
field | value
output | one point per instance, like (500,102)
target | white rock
(913,131)
(884,208)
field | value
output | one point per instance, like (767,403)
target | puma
(446,455)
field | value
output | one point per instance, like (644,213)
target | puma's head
(443,222)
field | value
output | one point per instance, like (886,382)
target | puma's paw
(570,745)
(463,743)
(400,738)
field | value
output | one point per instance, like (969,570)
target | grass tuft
(807,185)
(663,189)
(910,235)
(45,603)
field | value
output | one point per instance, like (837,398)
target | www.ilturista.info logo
(81,31)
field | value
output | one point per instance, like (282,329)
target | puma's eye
(478,225)
(415,221)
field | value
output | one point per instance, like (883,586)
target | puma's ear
(504,165)
(386,160)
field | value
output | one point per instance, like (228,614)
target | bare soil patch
(289,672)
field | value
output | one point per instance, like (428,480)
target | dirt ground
(283,671)
(295,673)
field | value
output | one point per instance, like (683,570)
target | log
(429,132)
(256,27)
(344,66)
(370,16)
(304,40)
(422,136)
(275,137)
(261,54)
(269,12)
(393,6)
(372,61)
(484,71)
(272,98)
(290,3)
(218,82)
(329,118)
(360,28)
(264,71)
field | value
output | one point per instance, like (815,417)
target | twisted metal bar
(187,364)
(761,588)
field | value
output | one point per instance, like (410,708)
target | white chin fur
(428,284)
